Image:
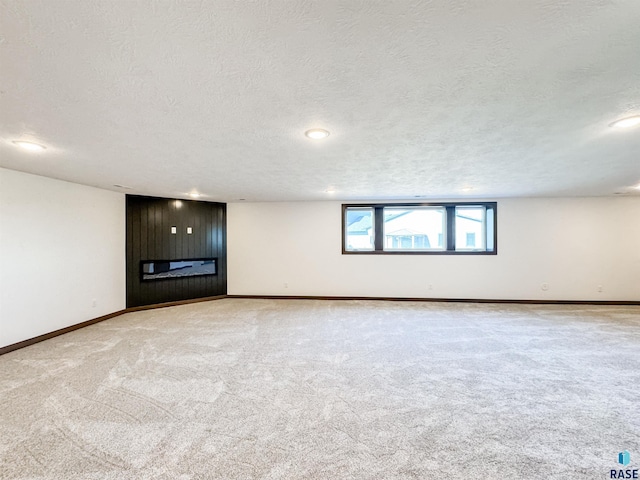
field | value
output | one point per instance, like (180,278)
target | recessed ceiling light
(330,191)
(626,122)
(194,195)
(33,147)
(467,189)
(317,133)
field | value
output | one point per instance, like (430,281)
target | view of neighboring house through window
(448,228)
(471,240)
(359,229)
(418,228)
(470,228)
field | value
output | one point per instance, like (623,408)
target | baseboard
(173,304)
(55,333)
(448,300)
(71,328)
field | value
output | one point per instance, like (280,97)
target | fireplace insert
(167,269)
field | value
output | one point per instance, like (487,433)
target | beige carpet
(296,389)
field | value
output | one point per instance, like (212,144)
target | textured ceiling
(422,98)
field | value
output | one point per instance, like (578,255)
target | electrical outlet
(600,289)
(94,303)
(430,286)
(544,287)
(286,285)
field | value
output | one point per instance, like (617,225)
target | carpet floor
(306,389)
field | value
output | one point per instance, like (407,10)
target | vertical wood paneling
(149,222)
(132,265)
(129,258)
(173,222)
(222,250)
(166,232)
(191,283)
(208,240)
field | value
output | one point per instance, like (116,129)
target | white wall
(62,246)
(572,244)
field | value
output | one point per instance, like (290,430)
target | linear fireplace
(168,269)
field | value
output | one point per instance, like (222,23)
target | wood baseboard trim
(173,304)
(447,300)
(71,328)
(55,333)
(77,326)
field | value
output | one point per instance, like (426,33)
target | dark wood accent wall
(149,237)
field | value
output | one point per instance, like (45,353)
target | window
(358,229)
(470,227)
(415,228)
(421,228)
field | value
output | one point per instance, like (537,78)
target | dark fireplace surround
(176,250)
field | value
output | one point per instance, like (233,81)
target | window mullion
(378,237)
(451,228)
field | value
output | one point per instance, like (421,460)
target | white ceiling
(422,98)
